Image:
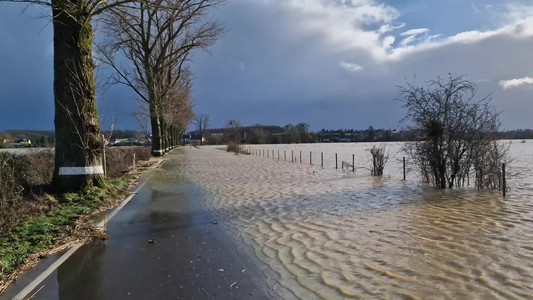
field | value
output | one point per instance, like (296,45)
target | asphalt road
(162,245)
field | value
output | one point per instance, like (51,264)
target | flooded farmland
(333,234)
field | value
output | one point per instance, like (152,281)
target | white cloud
(388,28)
(343,24)
(415,31)
(513,12)
(512,83)
(348,26)
(475,8)
(388,41)
(351,67)
(314,54)
(521,29)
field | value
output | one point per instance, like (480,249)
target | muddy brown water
(332,234)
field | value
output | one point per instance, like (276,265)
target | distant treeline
(46,138)
(519,134)
(299,133)
(260,134)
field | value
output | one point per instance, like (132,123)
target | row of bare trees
(148,44)
(156,40)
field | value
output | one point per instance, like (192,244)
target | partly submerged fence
(298,157)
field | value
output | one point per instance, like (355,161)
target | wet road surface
(162,246)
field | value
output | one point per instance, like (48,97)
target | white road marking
(116,210)
(30,287)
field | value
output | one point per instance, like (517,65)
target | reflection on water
(87,282)
(331,234)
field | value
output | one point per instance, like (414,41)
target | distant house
(24,143)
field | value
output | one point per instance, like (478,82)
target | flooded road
(212,224)
(331,234)
(162,245)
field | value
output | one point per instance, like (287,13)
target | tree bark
(163,135)
(78,151)
(157,149)
(172,136)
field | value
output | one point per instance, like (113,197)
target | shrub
(24,173)
(119,160)
(9,186)
(22,176)
(379,159)
(23,179)
(458,133)
(234,147)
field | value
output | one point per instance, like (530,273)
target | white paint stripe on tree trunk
(69,171)
(158,151)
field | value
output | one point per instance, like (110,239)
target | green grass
(37,233)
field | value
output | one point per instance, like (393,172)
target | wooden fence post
(504,181)
(322,159)
(353,163)
(404,168)
(336,162)
(310,157)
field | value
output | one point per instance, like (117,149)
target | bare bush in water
(457,133)
(379,159)
(234,147)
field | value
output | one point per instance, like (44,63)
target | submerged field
(326,233)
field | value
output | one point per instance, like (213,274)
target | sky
(329,63)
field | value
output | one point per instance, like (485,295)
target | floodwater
(333,234)
(24,151)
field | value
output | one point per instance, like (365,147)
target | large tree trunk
(163,136)
(171,137)
(77,127)
(157,149)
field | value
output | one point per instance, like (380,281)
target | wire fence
(401,167)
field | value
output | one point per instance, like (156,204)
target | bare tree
(458,132)
(258,135)
(142,117)
(77,127)
(234,136)
(157,39)
(201,121)
(177,111)
(379,159)
(303,132)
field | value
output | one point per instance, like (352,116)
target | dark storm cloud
(25,69)
(26,73)
(333,64)
(269,68)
